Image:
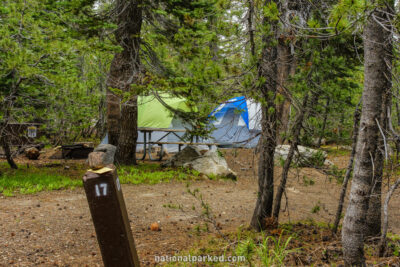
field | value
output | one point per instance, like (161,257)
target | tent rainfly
(237,122)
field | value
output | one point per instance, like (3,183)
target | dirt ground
(55,228)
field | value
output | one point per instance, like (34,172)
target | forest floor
(55,229)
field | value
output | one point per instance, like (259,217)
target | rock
(315,141)
(164,152)
(210,164)
(189,153)
(327,162)
(109,153)
(32,153)
(96,160)
(308,156)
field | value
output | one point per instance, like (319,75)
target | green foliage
(48,72)
(337,173)
(33,180)
(275,254)
(270,251)
(316,208)
(173,206)
(308,181)
(271,11)
(316,159)
(154,174)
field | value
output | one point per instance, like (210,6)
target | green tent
(153,114)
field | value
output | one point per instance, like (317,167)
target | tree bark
(356,123)
(382,245)
(374,214)
(377,70)
(250,16)
(321,135)
(125,71)
(397,106)
(268,71)
(126,153)
(7,150)
(113,112)
(293,146)
(284,62)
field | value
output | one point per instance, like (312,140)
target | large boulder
(210,163)
(109,153)
(304,157)
(189,153)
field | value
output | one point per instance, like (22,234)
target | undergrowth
(23,182)
(305,243)
(55,176)
(154,174)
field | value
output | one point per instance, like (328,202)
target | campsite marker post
(110,218)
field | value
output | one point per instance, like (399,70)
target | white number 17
(102,192)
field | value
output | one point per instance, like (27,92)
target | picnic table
(148,143)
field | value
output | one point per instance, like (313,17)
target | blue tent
(237,122)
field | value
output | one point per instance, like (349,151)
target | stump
(32,153)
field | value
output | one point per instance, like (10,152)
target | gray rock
(315,141)
(327,162)
(210,164)
(307,157)
(109,153)
(189,153)
(96,160)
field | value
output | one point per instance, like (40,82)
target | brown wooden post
(110,218)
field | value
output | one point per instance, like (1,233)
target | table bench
(147,143)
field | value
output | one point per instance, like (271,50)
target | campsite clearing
(36,232)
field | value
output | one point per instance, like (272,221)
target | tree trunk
(293,146)
(125,70)
(250,16)
(284,61)
(322,133)
(382,245)
(374,214)
(113,109)
(127,142)
(268,71)
(377,71)
(397,107)
(349,169)
(7,151)
(285,67)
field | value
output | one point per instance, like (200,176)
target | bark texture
(125,70)
(293,146)
(374,214)
(267,70)
(284,67)
(126,153)
(113,114)
(322,133)
(357,114)
(377,70)
(7,151)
